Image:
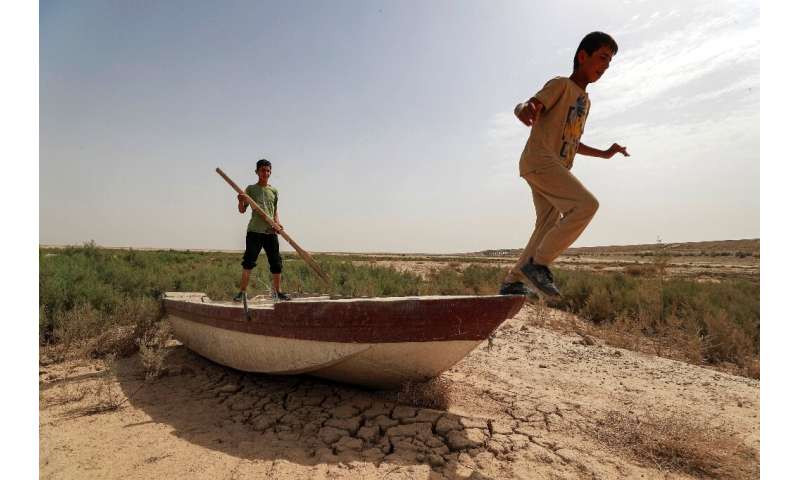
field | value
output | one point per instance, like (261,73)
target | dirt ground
(530,404)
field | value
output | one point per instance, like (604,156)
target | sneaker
(281,296)
(541,277)
(239,298)
(514,288)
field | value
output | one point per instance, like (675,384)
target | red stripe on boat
(361,321)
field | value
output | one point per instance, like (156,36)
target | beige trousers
(564,207)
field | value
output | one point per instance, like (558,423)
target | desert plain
(542,399)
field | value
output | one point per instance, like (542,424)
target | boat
(380,342)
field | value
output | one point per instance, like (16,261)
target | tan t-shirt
(558,130)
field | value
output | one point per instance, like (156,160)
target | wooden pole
(256,208)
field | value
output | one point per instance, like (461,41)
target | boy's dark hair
(591,43)
(263,163)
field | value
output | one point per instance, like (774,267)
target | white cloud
(750,82)
(675,59)
(711,139)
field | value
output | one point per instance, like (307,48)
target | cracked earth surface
(521,406)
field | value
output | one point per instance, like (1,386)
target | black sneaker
(239,298)
(514,288)
(541,277)
(281,296)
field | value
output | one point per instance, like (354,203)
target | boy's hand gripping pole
(256,208)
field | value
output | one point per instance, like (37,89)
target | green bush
(724,318)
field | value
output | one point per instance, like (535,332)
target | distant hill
(747,247)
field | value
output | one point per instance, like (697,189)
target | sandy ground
(530,405)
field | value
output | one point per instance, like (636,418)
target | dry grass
(673,341)
(86,332)
(65,394)
(104,396)
(133,327)
(713,325)
(678,341)
(674,443)
(117,340)
(435,393)
(74,330)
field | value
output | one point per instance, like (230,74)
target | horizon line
(220,250)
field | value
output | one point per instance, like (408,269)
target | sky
(389,124)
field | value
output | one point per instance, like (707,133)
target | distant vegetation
(86,292)
(721,248)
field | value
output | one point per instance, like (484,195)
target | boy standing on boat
(260,234)
(564,207)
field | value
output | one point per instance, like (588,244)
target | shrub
(599,306)
(445,282)
(646,269)
(73,326)
(152,350)
(479,280)
(724,341)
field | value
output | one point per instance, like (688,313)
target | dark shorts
(254,243)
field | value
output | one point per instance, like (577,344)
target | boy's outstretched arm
(608,153)
(528,112)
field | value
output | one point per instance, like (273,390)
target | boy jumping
(260,234)
(564,207)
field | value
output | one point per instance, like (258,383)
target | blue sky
(389,124)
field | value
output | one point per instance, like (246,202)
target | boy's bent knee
(588,206)
(592,205)
(275,265)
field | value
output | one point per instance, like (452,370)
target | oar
(256,208)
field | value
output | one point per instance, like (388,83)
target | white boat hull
(382,365)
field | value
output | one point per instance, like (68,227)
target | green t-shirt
(267,199)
